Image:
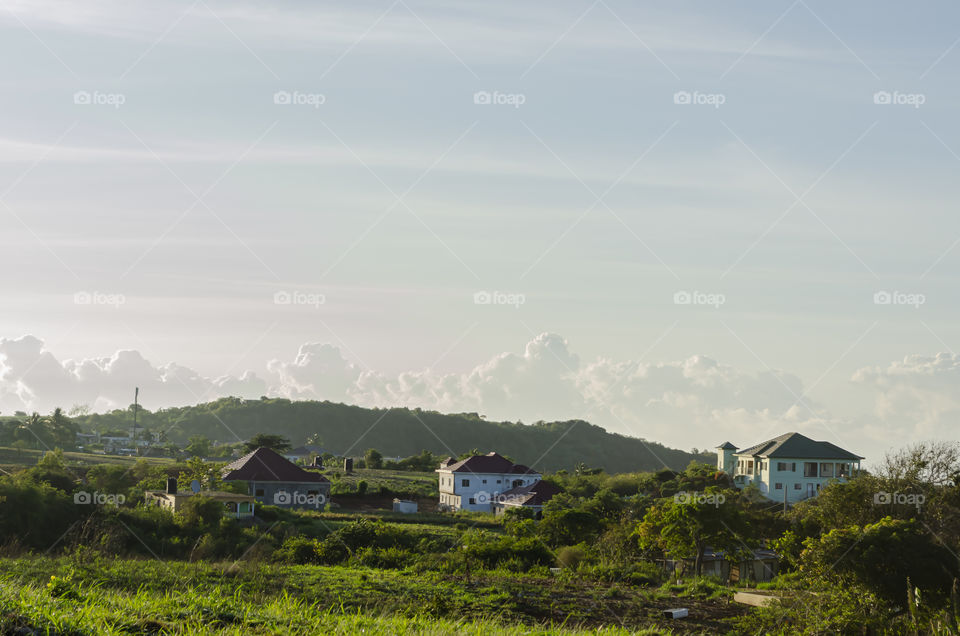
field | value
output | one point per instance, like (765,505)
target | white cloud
(914,398)
(696,402)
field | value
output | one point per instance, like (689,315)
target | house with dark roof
(788,468)
(274,480)
(475,483)
(531,496)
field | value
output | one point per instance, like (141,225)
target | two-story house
(477,482)
(788,468)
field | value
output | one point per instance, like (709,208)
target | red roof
(489,463)
(264,464)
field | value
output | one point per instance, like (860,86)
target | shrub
(571,556)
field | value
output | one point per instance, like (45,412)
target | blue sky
(164,217)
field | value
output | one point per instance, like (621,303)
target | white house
(788,468)
(477,482)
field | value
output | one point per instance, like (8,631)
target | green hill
(350,430)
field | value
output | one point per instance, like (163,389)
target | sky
(686,222)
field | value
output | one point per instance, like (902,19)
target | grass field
(73,596)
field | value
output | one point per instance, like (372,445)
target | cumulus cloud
(917,397)
(32,378)
(694,402)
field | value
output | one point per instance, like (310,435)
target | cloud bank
(696,402)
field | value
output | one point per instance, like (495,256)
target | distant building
(791,467)
(302,454)
(531,497)
(404,506)
(761,565)
(234,505)
(276,481)
(477,482)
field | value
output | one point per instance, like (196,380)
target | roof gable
(795,445)
(489,463)
(265,464)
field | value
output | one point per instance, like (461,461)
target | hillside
(345,429)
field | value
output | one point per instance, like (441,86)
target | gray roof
(795,445)
(727,446)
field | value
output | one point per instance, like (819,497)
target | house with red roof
(477,483)
(274,480)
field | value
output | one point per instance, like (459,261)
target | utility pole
(136,396)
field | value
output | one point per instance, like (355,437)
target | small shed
(405,506)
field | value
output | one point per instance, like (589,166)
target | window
(782,466)
(472,501)
(750,466)
(498,481)
(826,470)
(843,470)
(778,486)
(464,482)
(484,481)
(793,467)
(796,486)
(258,492)
(809,469)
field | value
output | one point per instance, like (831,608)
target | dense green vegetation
(400,432)
(877,554)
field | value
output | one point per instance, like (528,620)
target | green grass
(105,596)
(11,458)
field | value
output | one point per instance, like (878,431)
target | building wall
(482,488)
(767,474)
(286,494)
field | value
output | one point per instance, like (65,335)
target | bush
(570,556)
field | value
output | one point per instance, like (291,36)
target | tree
(199,446)
(278,443)
(883,556)
(373,458)
(685,526)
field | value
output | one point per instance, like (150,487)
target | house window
(843,470)
(782,466)
(826,470)
(750,466)
(778,486)
(464,482)
(259,492)
(809,469)
(484,481)
(793,466)
(796,486)
(472,501)
(498,481)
